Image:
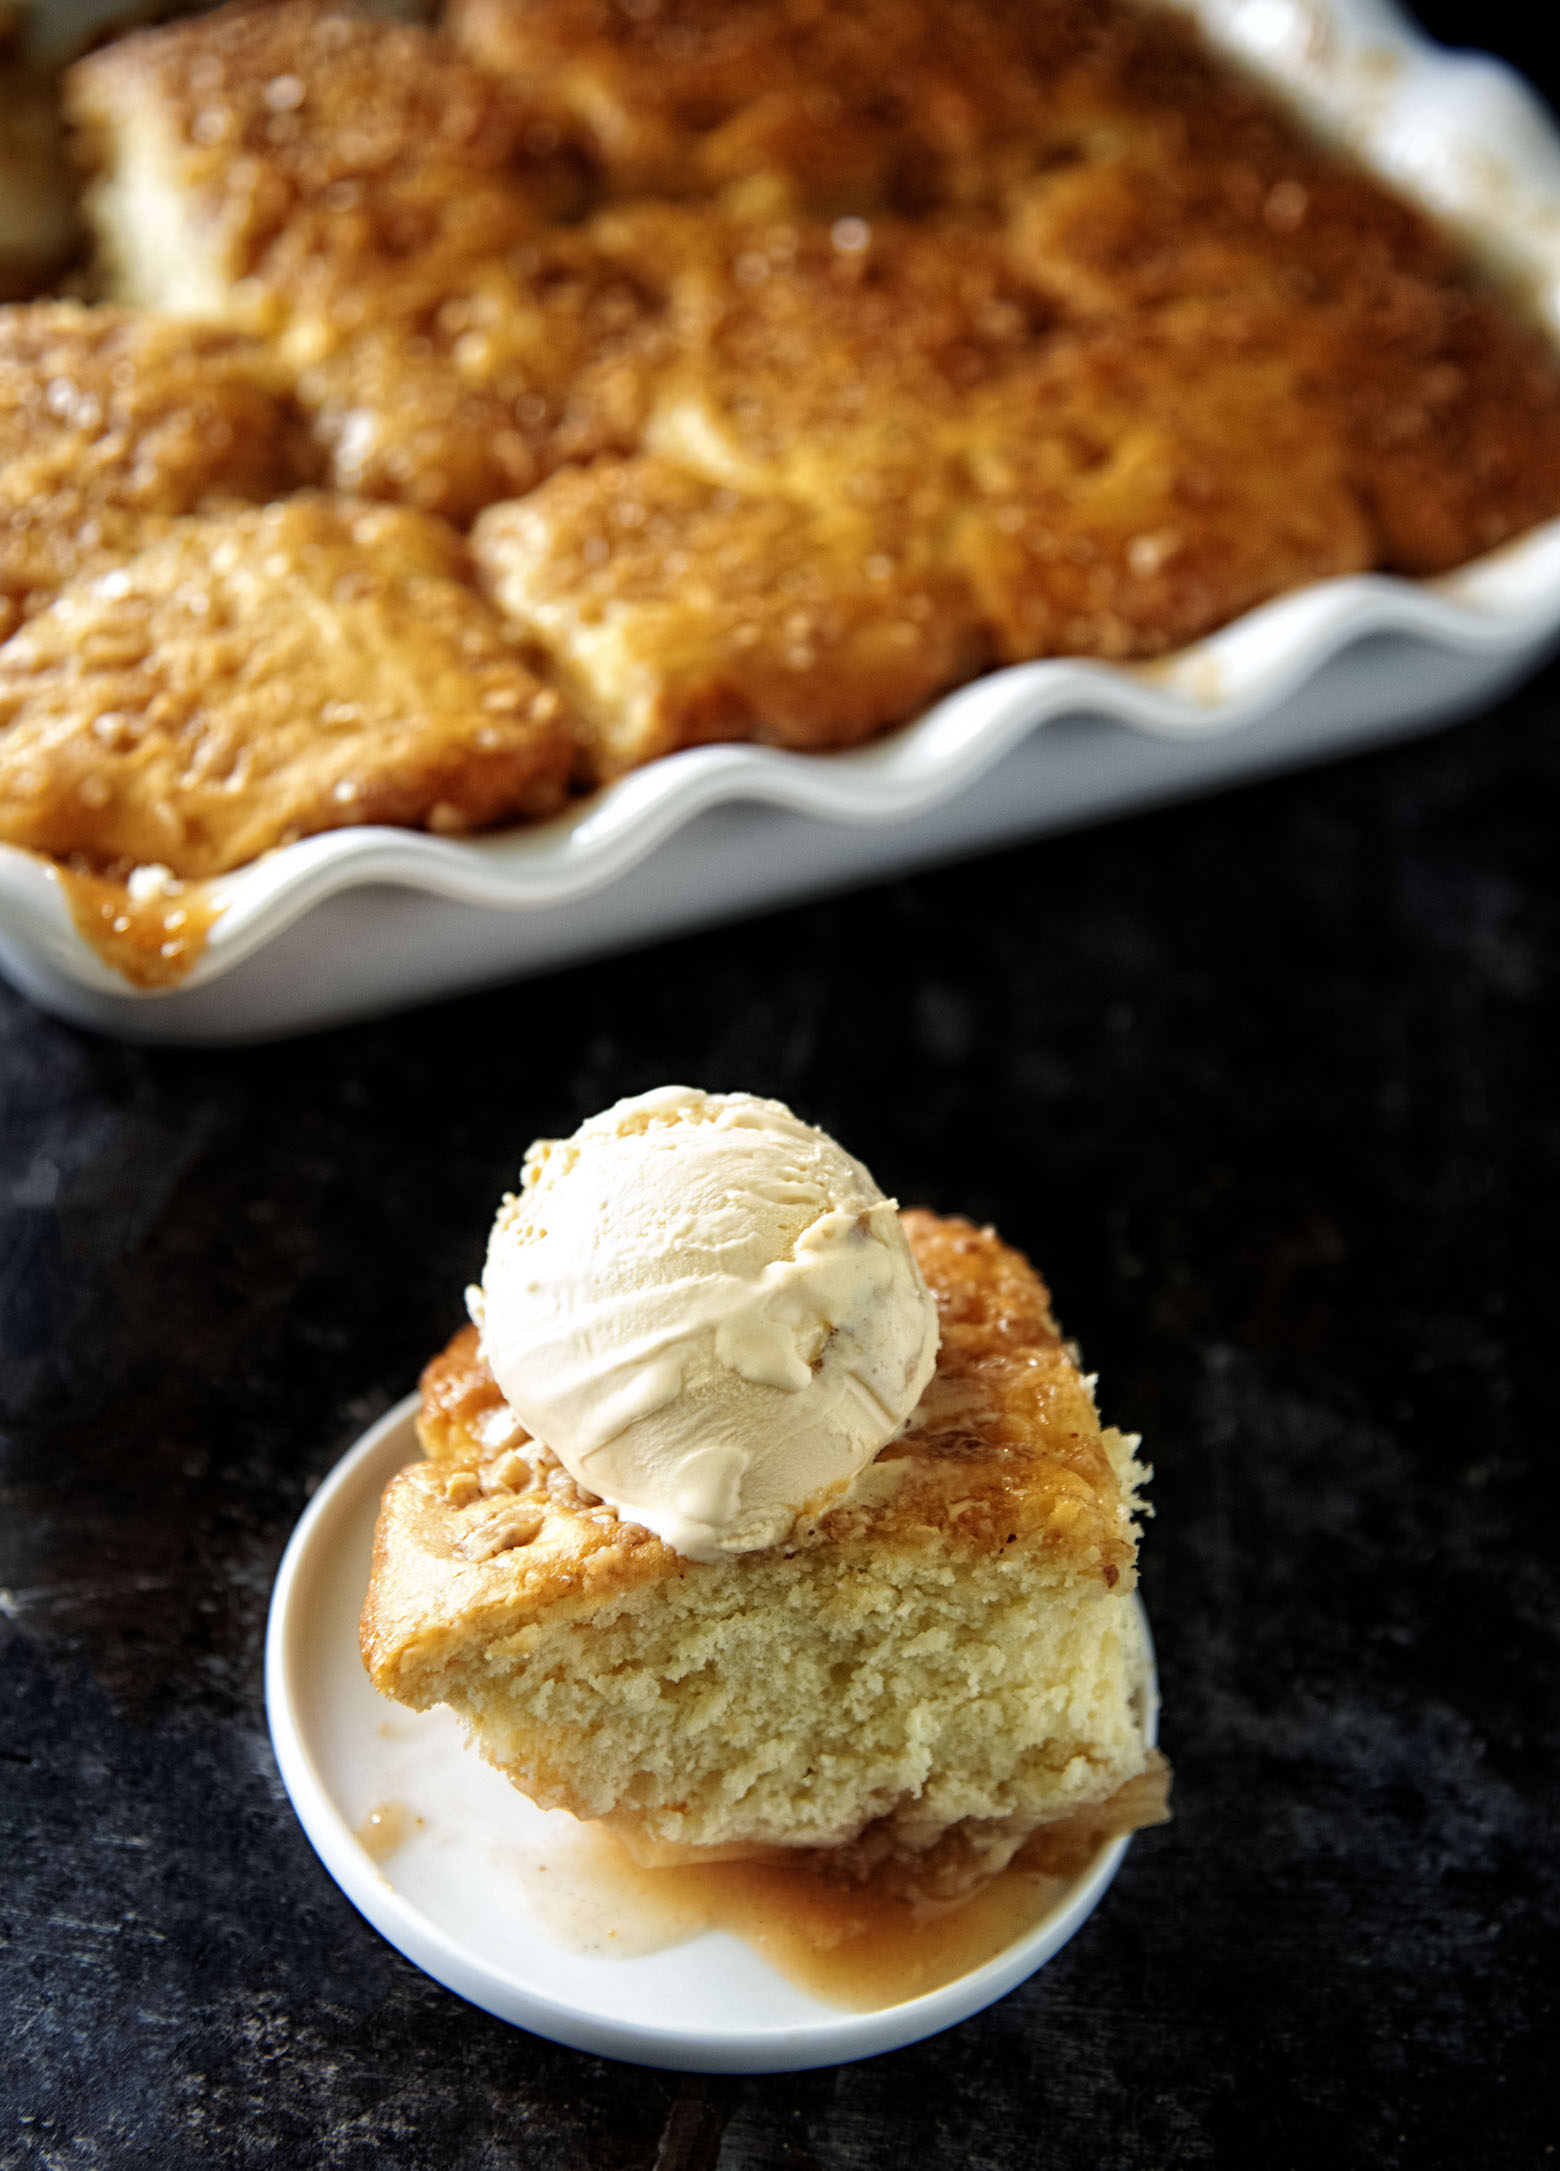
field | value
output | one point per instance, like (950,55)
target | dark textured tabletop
(1267,1085)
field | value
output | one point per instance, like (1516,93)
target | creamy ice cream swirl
(709,1312)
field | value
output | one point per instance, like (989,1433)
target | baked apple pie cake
(735,369)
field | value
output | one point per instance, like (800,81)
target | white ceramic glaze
(365,920)
(455,1898)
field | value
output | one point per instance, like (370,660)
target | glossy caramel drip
(386,1827)
(153,941)
(860,1945)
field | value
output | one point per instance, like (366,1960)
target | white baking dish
(365,920)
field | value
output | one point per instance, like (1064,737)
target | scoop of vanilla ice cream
(708,1311)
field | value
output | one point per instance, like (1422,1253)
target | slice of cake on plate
(921,1659)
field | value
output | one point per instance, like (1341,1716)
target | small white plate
(460,1896)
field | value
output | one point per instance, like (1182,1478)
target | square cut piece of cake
(254,159)
(261,674)
(678,612)
(944,1661)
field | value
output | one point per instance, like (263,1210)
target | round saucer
(450,1864)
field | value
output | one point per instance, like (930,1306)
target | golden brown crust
(1008,1423)
(1233,234)
(1132,175)
(111,423)
(314,91)
(490,1532)
(1098,208)
(457,1393)
(452,378)
(305,141)
(877,104)
(885,466)
(966,331)
(1133,490)
(264,674)
(678,611)
(359,191)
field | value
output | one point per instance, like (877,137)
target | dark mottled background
(1269,1087)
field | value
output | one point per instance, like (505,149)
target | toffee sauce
(153,941)
(859,1946)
